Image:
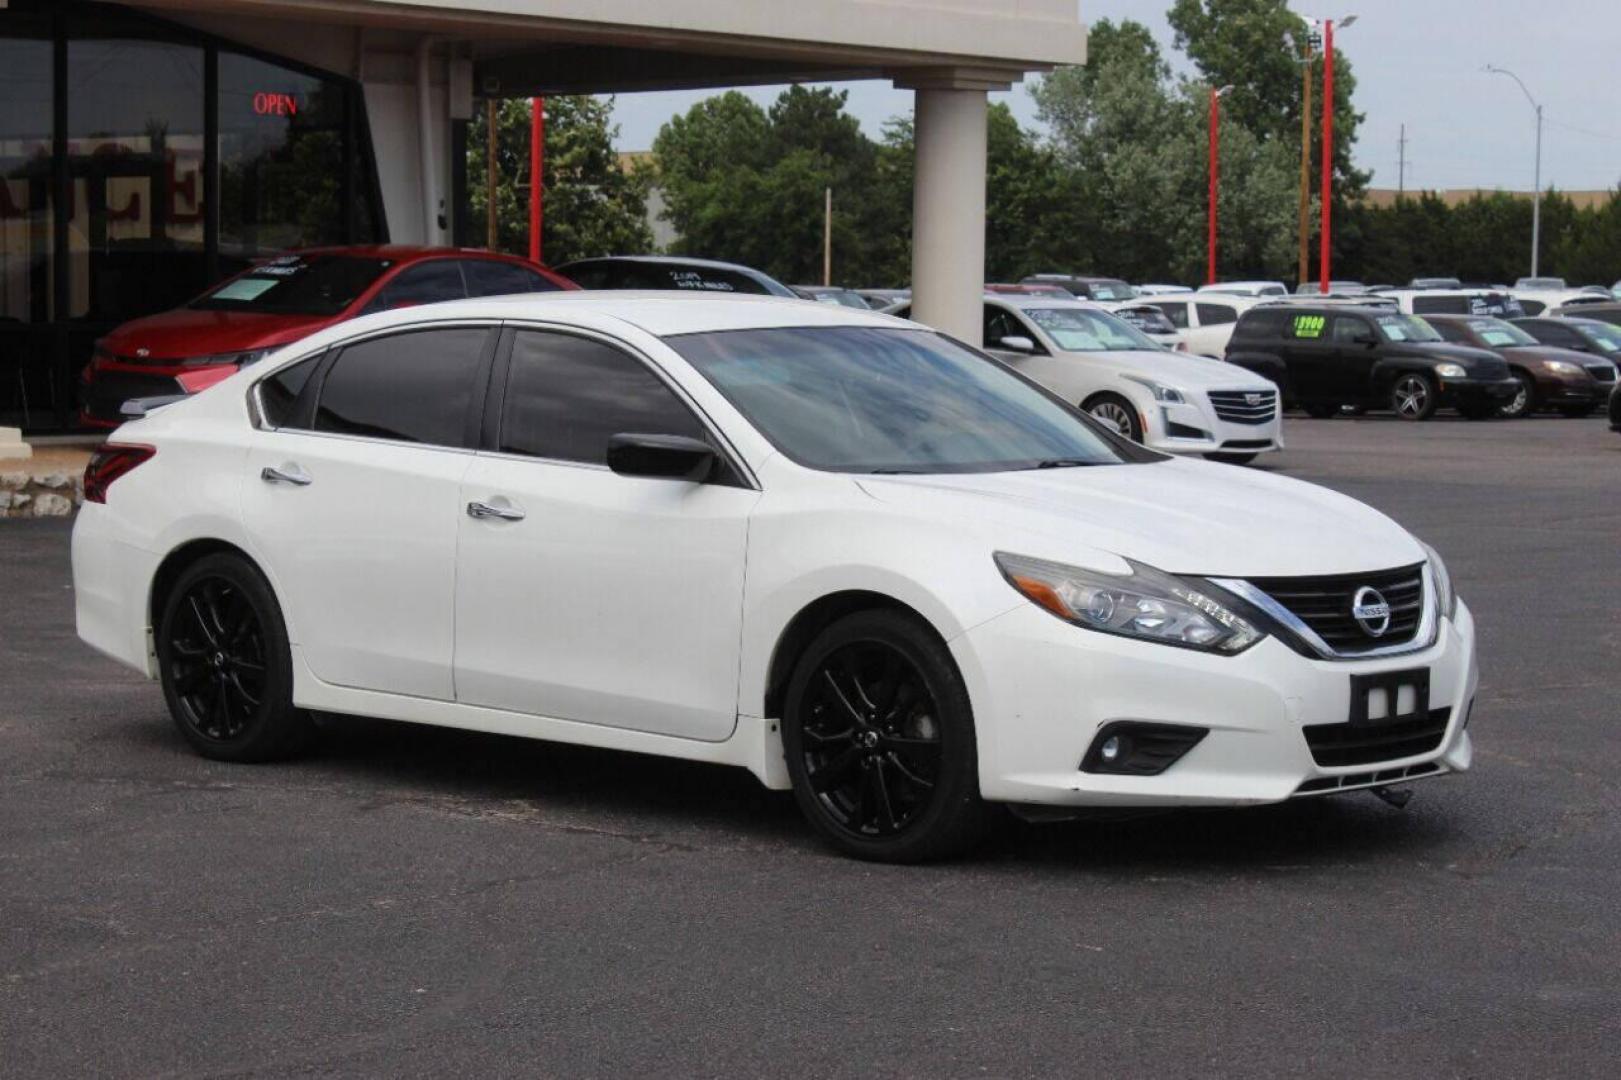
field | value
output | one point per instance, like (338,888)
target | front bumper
(1192,427)
(1478,391)
(1042,689)
(1580,389)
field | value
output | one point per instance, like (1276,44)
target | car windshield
(1112,290)
(1499,334)
(1406,328)
(880,400)
(1147,318)
(1075,329)
(1607,338)
(296,285)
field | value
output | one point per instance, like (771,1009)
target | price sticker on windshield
(1310,326)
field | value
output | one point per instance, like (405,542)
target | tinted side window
(425,283)
(1262,323)
(1349,330)
(1533,307)
(414,387)
(279,394)
(998,325)
(1441,305)
(1176,311)
(1554,334)
(1306,327)
(486,277)
(1216,314)
(565,396)
(1450,331)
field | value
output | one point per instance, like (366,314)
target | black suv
(1327,356)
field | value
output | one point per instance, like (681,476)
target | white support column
(948,199)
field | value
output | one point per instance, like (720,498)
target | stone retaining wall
(24,495)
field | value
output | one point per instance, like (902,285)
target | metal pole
(1305,164)
(490,220)
(537,172)
(1536,202)
(1215,167)
(1325,241)
(827,238)
(1401,164)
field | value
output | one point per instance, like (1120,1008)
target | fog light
(1133,748)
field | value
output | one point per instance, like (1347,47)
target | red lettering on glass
(268,104)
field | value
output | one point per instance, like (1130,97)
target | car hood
(1175,369)
(1541,354)
(187,332)
(1187,517)
(1467,355)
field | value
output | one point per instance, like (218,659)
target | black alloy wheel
(879,741)
(225,665)
(1524,401)
(1413,396)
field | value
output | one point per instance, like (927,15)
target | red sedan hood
(187,332)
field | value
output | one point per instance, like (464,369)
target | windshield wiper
(893,472)
(1063,463)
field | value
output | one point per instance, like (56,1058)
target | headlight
(1148,604)
(1168,394)
(1450,371)
(1564,367)
(1443,581)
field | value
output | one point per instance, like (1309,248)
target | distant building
(664,233)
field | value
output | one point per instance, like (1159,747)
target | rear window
(296,285)
(630,275)
(1261,323)
(1150,320)
(1216,314)
(1112,290)
(1442,305)
(489,277)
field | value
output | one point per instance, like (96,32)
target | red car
(278,302)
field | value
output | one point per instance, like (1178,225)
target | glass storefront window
(25,223)
(281,140)
(135,158)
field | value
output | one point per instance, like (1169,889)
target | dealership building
(151,147)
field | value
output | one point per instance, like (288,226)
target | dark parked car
(1615,408)
(1610,313)
(668,272)
(277,302)
(1085,287)
(1572,382)
(1595,337)
(1326,356)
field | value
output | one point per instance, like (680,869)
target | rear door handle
(291,475)
(484,512)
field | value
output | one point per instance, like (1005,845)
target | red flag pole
(1215,168)
(537,171)
(1326,240)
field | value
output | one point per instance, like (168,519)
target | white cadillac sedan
(1103,365)
(839,550)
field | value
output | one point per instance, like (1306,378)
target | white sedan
(841,551)
(1168,400)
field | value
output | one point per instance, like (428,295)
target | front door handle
(484,511)
(291,475)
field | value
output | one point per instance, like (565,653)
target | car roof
(668,260)
(1372,311)
(661,313)
(408,252)
(1025,301)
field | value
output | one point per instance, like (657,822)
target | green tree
(591,205)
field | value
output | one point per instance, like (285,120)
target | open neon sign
(266,103)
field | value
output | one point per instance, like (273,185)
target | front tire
(225,665)
(1524,401)
(1413,396)
(1116,413)
(879,740)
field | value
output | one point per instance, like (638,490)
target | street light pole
(1326,240)
(1215,174)
(1536,200)
(1305,159)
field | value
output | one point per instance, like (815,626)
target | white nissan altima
(837,549)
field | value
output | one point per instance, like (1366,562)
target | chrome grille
(1324,605)
(1245,406)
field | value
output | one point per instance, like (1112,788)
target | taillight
(108,463)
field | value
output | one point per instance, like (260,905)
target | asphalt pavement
(412,902)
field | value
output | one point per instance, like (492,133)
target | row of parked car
(1146,351)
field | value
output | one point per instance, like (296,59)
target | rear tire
(1232,459)
(879,739)
(1413,396)
(225,665)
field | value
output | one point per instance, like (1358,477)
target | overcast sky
(1417,62)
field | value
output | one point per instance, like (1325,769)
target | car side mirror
(1017,343)
(663,457)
